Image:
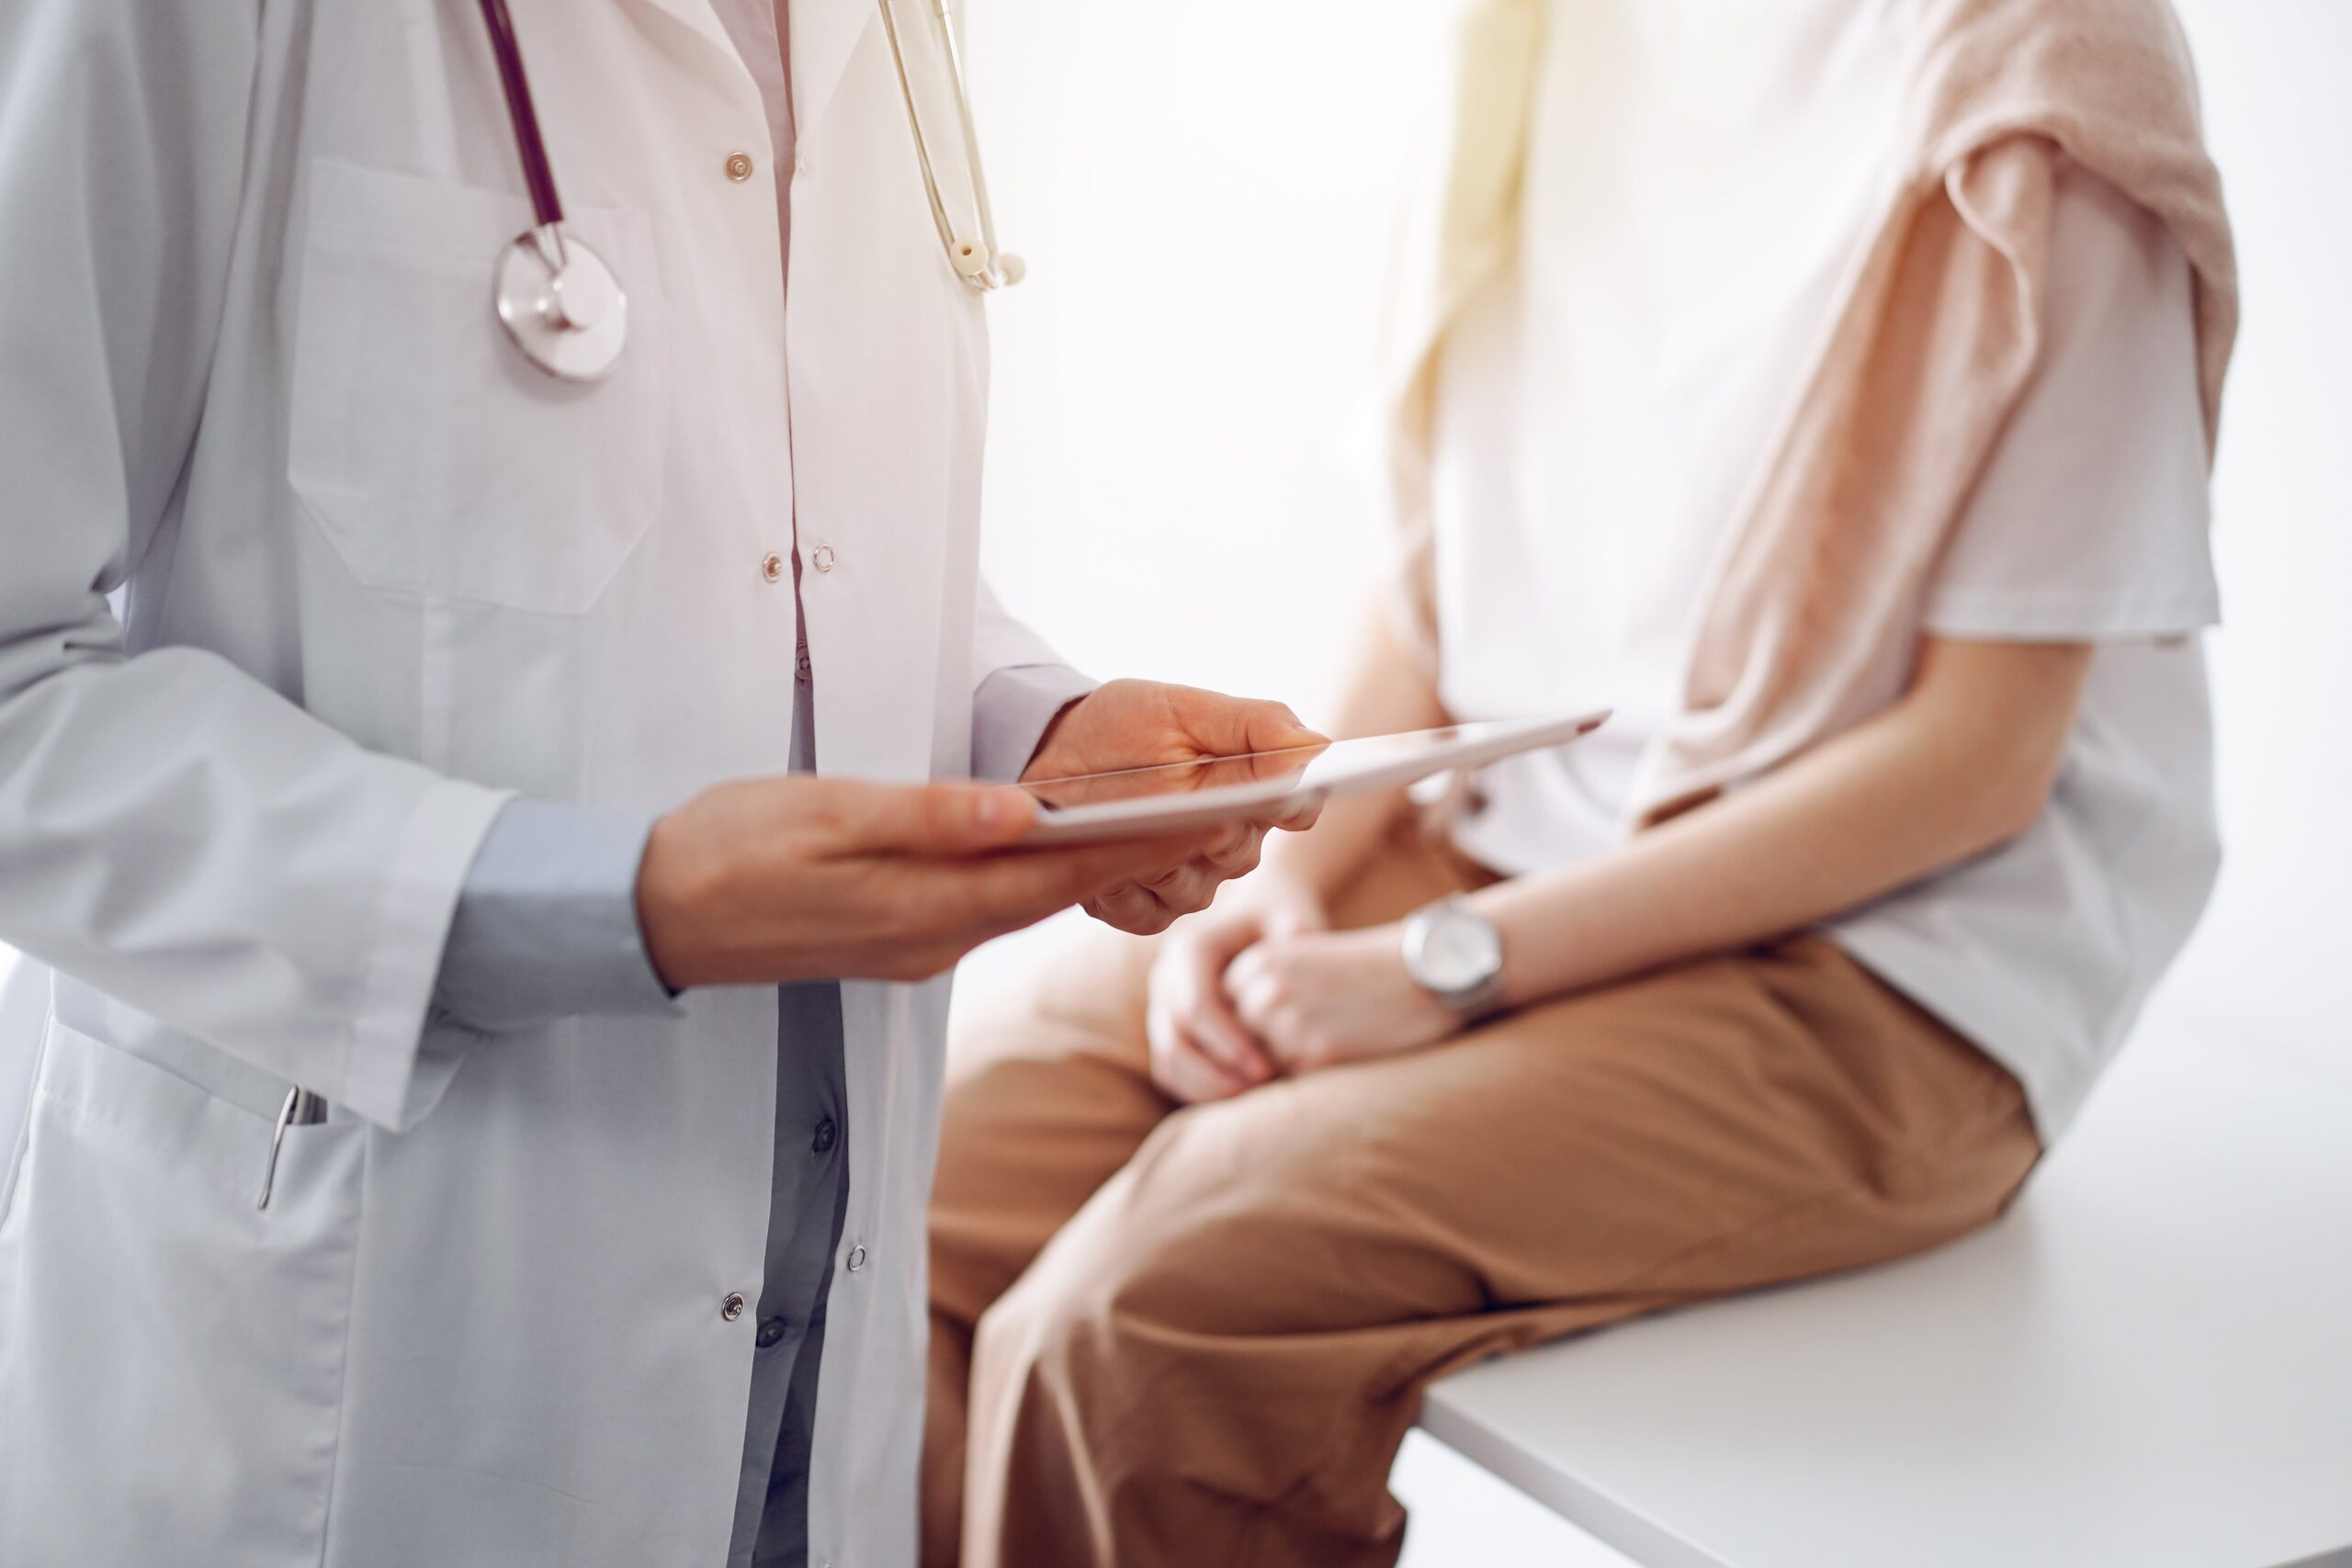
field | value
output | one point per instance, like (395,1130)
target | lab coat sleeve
(545,925)
(173,832)
(1020,686)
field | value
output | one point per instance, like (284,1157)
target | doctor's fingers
(934,819)
(1180,890)
(1132,907)
(1188,885)
(1306,817)
(1150,904)
(1026,888)
(929,923)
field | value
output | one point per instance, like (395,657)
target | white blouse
(1605,406)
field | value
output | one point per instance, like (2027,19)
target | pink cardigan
(1815,595)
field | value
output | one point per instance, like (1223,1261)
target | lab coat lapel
(697,17)
(824,34)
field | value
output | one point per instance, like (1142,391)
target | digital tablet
(1266,787)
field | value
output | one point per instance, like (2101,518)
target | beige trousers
(1197,1336)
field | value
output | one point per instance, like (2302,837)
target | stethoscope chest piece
(560,304)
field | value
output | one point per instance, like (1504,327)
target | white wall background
(1205,192)
(2281,130)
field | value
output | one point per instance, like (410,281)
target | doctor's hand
(764,881)
(1146,723)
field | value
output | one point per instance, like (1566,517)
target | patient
(1829,387)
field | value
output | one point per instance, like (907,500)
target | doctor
(410,1151)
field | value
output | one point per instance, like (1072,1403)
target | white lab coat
(377,573)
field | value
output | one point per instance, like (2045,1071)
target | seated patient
(1835,401)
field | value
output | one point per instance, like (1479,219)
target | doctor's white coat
(374,574)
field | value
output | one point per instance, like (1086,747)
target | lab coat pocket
(171,1357)
(434,458)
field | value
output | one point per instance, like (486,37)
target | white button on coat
(381,574)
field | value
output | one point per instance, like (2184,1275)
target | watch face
(1458,951)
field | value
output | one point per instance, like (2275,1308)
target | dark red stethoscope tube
(545,207)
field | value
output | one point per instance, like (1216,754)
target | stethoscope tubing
(530,147)
(987,213)
(914,119)
(991,272)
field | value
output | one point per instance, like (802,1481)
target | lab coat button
(771,567)
(801,167)
(827,1136)
(739,166)
(823,560)
(771,1334)
(857,1259)
(732,1307)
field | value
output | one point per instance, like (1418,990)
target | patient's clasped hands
(1268,991)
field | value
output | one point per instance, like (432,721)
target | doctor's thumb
(951,818)
(1231,727)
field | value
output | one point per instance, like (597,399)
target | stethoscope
(559,300)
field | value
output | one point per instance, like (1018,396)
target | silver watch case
(1456,955)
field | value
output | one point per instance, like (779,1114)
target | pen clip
(302,1109)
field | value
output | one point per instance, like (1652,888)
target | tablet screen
(1268,786)
(1279,770)
(1331,765)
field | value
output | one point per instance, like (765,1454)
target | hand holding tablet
(1266,786)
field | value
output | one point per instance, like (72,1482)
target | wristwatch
(1456,955)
